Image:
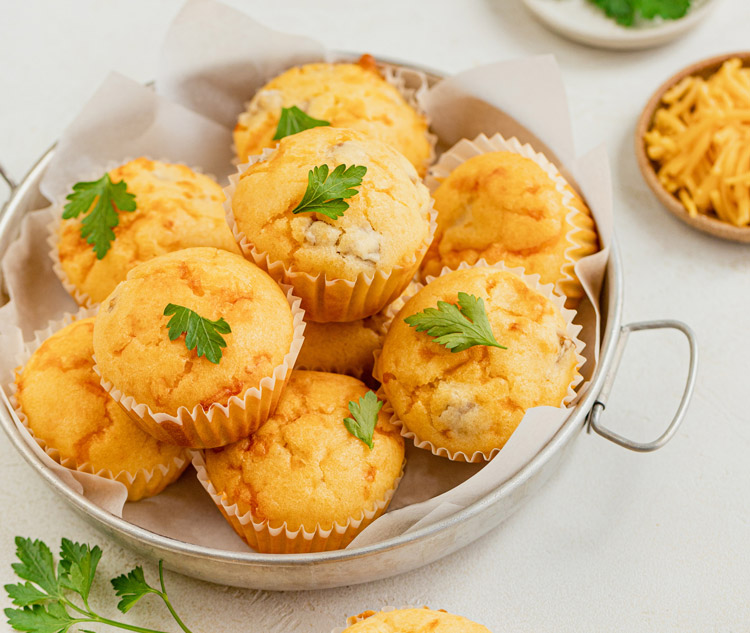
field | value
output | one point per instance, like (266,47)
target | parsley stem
(93,617)
(166,599)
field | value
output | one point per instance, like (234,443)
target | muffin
(502,206)
(412,621)
(465,405)
(346,268)
(176,208)
(177,394)
(343,348)
(76,422)
(353,96)
(303,482)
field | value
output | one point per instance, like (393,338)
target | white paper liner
(466,149)
(572,330)
(56,213)
(141,483)
(281,540)
(220,424)
(353,619)
(327,299)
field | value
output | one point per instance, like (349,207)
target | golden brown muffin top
(386,223)
(414,621)
(473,400)
(501,206)
(351,96)
(303,466)
(131,341)
(345,348)
(175,208)
(68,409)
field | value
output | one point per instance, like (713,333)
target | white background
(617,541)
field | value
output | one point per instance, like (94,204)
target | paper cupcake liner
(53,228)
(141,483)
(572,330)
(353,619)
(411,84)
(281,540)
(220,424)
(325,299)
(582,239)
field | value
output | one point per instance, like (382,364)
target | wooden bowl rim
(705,223)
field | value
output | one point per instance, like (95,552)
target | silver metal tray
(396,555)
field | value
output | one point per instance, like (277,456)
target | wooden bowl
(706,223)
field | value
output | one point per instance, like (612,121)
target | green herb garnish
(457,327)
(325,194)
(294,120)
(624,12)
(365,412)
(100,200)
(44,602)
(199,331)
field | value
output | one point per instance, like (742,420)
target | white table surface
(618,541)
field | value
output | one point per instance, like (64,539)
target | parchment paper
(214,58)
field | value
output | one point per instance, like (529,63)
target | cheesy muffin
(176,208)
(353,96)
(343,348)
(501,206)
(412,621)
(80,426)
(303,482)
(465,405)
(345,268)
(179,395)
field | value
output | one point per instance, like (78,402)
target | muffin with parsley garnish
(320,470)
(342,218)
(470,353)
(78,425)
(412,620)
(135,212)
(197,345)
(502,202)
(342,95)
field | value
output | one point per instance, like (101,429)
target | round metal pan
(393,556)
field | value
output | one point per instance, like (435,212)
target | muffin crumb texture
(414,621)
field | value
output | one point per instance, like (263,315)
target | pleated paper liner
(219,424)
(56,213)
(532,281)
(582,239)
(262,537)
(141,483)
(325,299)
(411,84)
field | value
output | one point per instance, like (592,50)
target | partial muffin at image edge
(411,620)
(174,207)
(221,382)
(304,482)
(347,254)
(62,404)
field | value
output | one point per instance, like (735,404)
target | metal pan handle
(601,402)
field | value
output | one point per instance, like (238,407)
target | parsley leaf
(294,120)
(131,588)
(200,332)
(624,12)
(37,564)
(78,566)
(107,199)
(326,194)
(457,327)
(26,594)
(365,412)
(41,619)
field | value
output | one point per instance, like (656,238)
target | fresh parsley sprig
(199,332)
(325,194)
(624,12)
(44,603)
(294,120)
(365,412)
(100,200)
(457,327)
